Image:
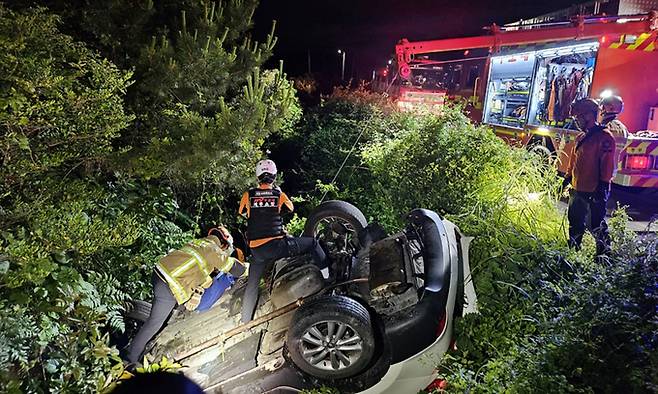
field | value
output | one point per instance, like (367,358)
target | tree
(97,126)
(202,102)
(61,108)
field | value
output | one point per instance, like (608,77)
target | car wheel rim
(338,232)
(331,346)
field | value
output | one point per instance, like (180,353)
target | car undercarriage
(380,325)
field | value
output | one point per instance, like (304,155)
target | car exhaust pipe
(423,322)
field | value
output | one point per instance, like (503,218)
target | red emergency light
(637,162)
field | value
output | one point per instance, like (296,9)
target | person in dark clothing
(158,383)
(268,241)
(590,172)
(611,107)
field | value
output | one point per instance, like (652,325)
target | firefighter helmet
(584,106)
(612,105)
(225,237)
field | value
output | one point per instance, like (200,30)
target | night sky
(369,29)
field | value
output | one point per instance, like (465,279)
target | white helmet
(265,166)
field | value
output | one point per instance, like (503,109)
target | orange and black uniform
(268,240)
(267,223)
(591,169)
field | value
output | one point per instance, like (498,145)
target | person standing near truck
(611,107)
(590,172)
(268,241)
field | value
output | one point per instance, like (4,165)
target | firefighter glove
(195,300)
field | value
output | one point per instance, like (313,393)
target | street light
(342,67)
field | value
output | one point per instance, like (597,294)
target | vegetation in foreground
(119,140)
(550,319)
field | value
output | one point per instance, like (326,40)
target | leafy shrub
(551,320)
(586,327)
(62,284)
(94,162)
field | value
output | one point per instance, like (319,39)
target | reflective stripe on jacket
(190,266)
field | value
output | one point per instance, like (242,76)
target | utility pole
(308,53)
(342,67)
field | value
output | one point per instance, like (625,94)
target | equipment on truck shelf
(522,82)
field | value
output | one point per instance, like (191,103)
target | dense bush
(551,320)
(202,102)
(95,159)
(60,109)
(581,327)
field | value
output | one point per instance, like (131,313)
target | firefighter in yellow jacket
(182,276)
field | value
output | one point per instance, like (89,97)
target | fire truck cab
(522,80)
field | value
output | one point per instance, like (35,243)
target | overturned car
(381,325)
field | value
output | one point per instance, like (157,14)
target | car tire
(375,371)
(335,209)
(319,326)
(140,310)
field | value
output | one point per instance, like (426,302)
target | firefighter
(590,173)
(182,276)
(611,107)
(268,241)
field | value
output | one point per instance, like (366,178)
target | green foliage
(164,365)
(467,173)
(160,227)
(61,222)
(296,225)
(321,390)
(551,320)
(586,328)
(60,104)
(95,159)
(202,102)
(53,339)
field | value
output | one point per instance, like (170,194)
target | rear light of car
(637,162)
(442,324)
(438,384)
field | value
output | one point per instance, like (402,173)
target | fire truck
(522,80)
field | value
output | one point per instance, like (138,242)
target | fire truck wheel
(544,153)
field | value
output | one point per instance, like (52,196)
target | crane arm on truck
(579,28)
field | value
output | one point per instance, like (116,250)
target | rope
(343,164)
